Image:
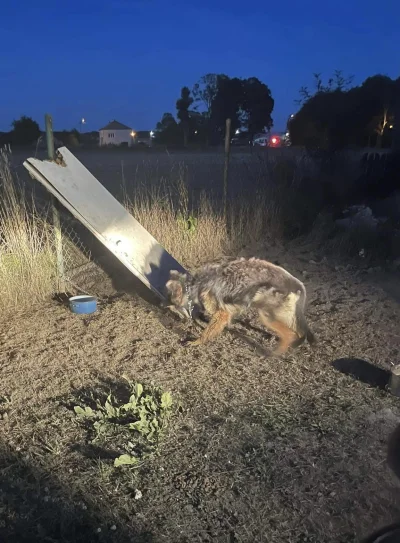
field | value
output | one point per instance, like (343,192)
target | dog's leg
(218,323)
(287,337)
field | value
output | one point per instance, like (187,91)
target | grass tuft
(27,256)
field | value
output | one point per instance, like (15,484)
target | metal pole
(226,166)
(56,213)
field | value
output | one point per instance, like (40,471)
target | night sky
(128,59)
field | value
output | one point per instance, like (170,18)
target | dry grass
(165,214)
(27,257)
(200,234)
(193,235)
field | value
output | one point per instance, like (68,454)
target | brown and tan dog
(225,290)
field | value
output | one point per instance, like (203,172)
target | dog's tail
(302,328)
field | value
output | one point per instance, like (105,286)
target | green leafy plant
(188,224)
(135,426)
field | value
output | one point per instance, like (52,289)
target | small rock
(138,494)
(113,528)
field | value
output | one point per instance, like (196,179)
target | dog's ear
(175,290)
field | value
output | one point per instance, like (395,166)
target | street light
(82,122)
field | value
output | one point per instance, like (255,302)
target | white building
(115,133)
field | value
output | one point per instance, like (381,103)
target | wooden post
(226,166)
(394,382)
(56,213)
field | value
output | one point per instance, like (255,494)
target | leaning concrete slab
(86,198)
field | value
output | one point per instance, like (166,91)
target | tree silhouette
(336,116)
(257,106)
(25,131)
(247,102)
(182,105)
(205,90)
(167,130)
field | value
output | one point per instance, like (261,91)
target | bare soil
(261,450)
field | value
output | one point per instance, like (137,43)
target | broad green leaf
(166,400)
(125,460)
(79,411)
(110,409)
(87,412)
(138,390)
(154,423)
(129,407)
(139,426)
(101,427)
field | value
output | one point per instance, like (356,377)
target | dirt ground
(261,450)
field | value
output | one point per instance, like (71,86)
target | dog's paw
(189,341)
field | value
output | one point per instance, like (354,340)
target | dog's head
(177,293)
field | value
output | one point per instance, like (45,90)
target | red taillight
(275,140)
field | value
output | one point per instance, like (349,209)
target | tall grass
(197,234)
(27,257)
(194,232)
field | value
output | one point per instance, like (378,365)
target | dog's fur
(225,290)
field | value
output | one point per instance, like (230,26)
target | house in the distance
(115,133)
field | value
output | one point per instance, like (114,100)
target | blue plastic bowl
(83,305)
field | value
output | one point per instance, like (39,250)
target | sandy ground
(261,449)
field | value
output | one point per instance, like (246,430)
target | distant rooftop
(115,125)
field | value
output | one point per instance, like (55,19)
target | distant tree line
(26,131)
(331,115)
(201,112)
(336,114)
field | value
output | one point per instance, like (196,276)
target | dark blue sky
(127,59)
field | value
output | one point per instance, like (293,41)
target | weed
(136,425)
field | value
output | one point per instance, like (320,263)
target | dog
(223,291)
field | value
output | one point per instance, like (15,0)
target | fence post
(56,213)
(226,166)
